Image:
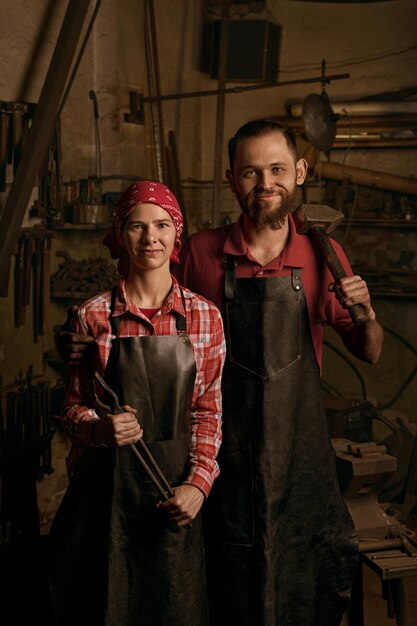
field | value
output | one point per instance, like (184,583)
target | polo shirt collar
(294,254)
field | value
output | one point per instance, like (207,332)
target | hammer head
(308,215)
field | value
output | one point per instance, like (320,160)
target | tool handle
(356,311)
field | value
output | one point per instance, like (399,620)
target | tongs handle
(154,472)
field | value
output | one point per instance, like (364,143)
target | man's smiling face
(265,178)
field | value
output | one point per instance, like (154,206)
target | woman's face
(149,235)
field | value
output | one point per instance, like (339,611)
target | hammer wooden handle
(356,311)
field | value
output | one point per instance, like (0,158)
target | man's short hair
(257,128)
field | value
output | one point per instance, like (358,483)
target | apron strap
(230,264)
(180,320)
(296,280)
(114,320)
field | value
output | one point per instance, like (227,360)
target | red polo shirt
(201,269)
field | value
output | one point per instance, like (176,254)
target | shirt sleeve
(77,417)
(206,407)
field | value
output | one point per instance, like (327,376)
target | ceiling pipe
(363,108)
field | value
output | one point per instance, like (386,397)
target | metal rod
(151,51)
(241,88)
(220,112)
(166,493)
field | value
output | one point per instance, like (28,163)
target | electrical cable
(350,364)
(404,385)
(410,377)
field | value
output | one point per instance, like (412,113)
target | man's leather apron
(116,560)
(282,549)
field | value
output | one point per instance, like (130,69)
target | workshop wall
(375,43)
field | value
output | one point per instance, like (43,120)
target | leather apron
(115,559)
(281,546)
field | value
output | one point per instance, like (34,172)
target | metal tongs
(144,457)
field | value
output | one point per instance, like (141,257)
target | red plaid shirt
(205,329)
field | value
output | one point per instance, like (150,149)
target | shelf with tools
(382,251)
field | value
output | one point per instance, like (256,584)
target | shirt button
(261,272)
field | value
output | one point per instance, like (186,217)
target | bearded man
(281,546)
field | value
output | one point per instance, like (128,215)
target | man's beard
(262,214)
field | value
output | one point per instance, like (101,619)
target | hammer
(320,220)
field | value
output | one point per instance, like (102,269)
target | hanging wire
(402,388)
(354,185)
(413,372)
(350,364)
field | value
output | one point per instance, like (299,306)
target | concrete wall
(376,43)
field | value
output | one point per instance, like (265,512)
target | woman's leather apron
(281,545)
(115,559)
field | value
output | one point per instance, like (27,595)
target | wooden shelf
(74,295)
(70,226)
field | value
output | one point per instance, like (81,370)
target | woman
(121,555)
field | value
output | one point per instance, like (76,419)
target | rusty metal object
(360,480)
(319,220)
(144,456)
(83,213)
(82,278)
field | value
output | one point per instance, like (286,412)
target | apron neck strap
(180,320)
(230,264)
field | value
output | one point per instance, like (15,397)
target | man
(281,546)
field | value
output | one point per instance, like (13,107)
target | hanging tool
(147,461)
(318,117)
(93,97)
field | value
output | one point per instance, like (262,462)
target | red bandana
(139,193)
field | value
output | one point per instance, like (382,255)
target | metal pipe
(369,178)
(220,111)
(42,128)
(240,89)
(363,108)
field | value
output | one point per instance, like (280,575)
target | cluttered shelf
(71,226)
(383,253)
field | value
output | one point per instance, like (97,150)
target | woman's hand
(117,430)
(184,505)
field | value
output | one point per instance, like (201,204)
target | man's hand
(365,340)
(72,347)
(352,290)
(117,430)
(184,505)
